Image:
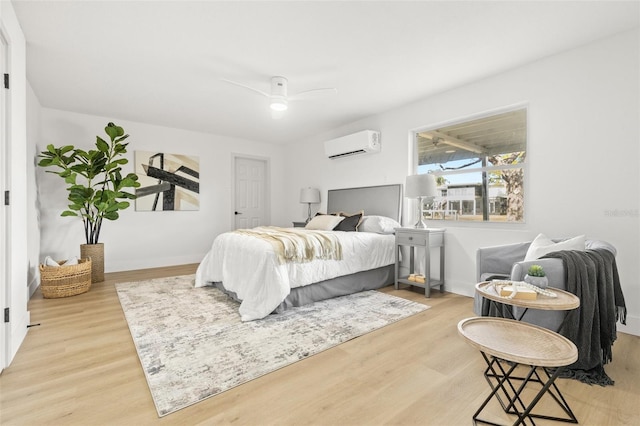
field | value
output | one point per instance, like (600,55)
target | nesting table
(564,301)
(505,344)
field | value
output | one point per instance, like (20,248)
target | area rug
(192,344)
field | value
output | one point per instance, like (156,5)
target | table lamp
(420,187)
(309,196)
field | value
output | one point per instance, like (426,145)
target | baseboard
(33,285)
(632,326)
(463,288)
(135,264)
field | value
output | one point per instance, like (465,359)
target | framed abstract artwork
(167,181)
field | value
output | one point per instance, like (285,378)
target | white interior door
(250,193)
(5,295)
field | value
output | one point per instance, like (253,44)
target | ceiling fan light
(278,104)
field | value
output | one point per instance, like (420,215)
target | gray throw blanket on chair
(592,275)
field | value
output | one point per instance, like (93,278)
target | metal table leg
(514,404)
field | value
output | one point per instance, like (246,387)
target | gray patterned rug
(192,344)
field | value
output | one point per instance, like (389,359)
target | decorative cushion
(542,245)
(350,222)
(378,224)
(324,222)
(48,261)
(71,261)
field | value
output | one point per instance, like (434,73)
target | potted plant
(536,276)
(96,187)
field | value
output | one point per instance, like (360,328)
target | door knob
(237,213)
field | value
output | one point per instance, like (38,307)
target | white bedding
(249,267)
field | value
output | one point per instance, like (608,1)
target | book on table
(522,293)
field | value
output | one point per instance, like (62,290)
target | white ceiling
(161,62)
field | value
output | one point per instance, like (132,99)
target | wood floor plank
(80,367)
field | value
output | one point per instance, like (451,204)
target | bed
(250,270)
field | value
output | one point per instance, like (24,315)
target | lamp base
(308,213)
(420,223)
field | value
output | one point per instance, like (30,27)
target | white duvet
(249,267)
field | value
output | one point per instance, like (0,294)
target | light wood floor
(80,367)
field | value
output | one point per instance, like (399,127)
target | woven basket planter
(64,281)
(95,252)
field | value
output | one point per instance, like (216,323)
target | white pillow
(542,245)
(48,261)
(378,224)
(324,222)
(71,261)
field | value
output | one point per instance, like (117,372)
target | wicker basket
(64,281)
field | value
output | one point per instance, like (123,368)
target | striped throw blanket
(297,245)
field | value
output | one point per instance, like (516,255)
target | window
(479,168)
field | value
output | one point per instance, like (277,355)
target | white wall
(582,154)
(150,239)
(32,216)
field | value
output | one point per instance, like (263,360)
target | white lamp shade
(420,186)
(309,195)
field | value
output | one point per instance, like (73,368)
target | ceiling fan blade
(314,93)
(246,87)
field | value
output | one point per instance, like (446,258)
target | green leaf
(68,213)
(121,148)
(113,172)
(66,149)
(71,178)
(110,166)
(81,153)
(79,168)
(111,215)
(128,195)
(127,183)
(51,149)
(114,131)
(101,144)
(109,194)
(76,207)
(112,208)
(45,162)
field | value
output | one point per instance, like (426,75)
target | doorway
(251,198)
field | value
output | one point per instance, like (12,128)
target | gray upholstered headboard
(383,200)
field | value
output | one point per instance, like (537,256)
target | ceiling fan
(279,98)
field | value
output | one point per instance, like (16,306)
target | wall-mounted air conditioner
(363,142)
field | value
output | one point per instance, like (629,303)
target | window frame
(524,165)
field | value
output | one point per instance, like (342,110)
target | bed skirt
(335,287)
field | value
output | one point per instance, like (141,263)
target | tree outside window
(479,167)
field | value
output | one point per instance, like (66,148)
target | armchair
(507,262)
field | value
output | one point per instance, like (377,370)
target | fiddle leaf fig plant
(97,189)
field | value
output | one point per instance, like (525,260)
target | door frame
(267,186)
(5,216)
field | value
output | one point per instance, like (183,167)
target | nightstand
(419,237)
(299,224)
